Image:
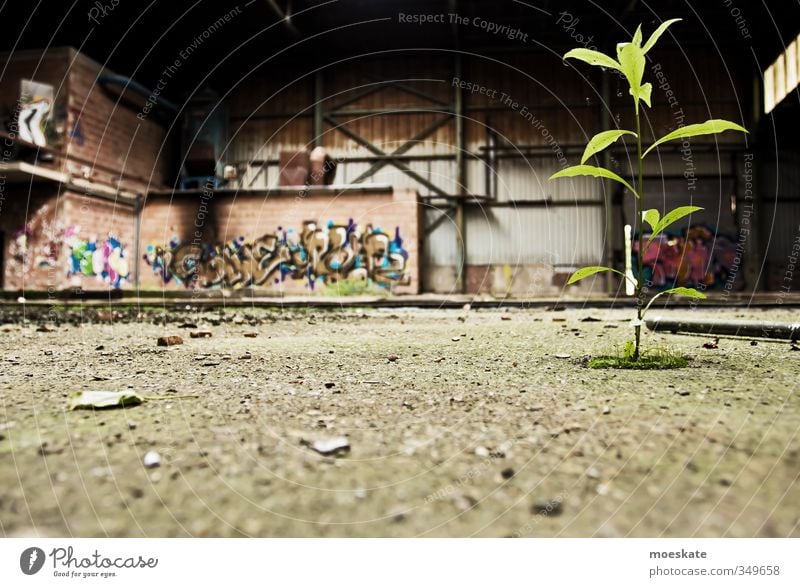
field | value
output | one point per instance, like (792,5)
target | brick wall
(55,240)
(114,143)
(100,136)
(176,228)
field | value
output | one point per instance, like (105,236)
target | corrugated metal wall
(532,220)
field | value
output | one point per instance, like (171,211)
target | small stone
(505,317)
(725,482)
(392,358)
(131,425)
(711,345)
(507,473)
(562,355)
(200,334)
(169,340)
(45,328)
(481,451)
(455,339)
(99,348)
(593,473)
(551,507)
(151,459)
(188,325)
(331,446)
(681,392)
(606,410)
(464,502)
(753,343)
(329,384)
(250,334)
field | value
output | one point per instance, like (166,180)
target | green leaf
(686,292)
(670,218)
(93,400)
(709,127)
(586,272)
(577,170)
(657,33)
(631,61)
(628,349)
(651,217)
(592,58)
(644,93)
(602,140)
(591,270)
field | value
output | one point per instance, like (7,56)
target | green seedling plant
(630,63)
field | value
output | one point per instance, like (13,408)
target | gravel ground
(459,424)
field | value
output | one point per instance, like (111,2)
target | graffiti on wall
(314,254)
(104,259)
(39,245)
(698,256)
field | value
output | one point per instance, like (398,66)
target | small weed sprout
(630,63)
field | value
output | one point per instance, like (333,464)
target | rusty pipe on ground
(746,328)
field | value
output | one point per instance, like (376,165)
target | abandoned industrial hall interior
(421,268)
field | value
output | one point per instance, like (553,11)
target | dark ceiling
(138,38)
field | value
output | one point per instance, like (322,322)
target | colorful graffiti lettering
(697,257)
(37,244)
(104,259)
(314,254)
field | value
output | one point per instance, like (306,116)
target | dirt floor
(460,423)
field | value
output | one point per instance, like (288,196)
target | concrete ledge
(241,299)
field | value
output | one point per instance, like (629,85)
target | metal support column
(318,111)
(608,188)
(461,178)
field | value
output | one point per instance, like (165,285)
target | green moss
(354,287)
(654,359)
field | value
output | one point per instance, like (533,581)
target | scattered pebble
(464,502)
(562,356)
(200,334)
(151,459)
(507,473)
(392,358)
(169,340)
(330,446)
(551,507)
(250,334)
(711,345)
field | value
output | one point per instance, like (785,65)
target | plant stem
(638,209)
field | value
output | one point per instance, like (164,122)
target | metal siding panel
(439,246)
(527,179)
(560,236)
